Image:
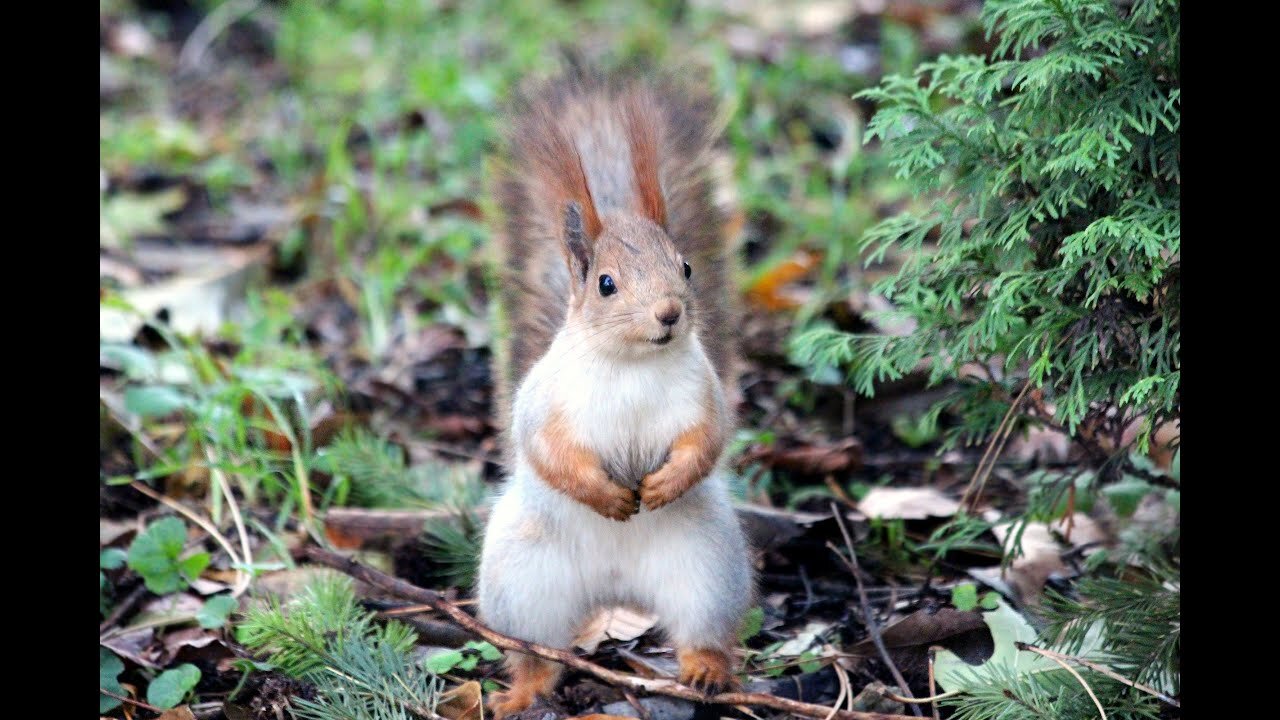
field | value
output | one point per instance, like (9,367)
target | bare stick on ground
(867,617)
(408,591)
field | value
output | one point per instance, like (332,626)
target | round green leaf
(964,597)
(216,610)
(154,555)
(752,623)
(109,668)
(168,690)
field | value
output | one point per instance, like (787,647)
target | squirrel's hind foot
(530,677)
(707,670)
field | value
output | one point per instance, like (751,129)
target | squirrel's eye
(687,271)
(607,287)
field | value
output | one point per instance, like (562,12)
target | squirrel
(612,382)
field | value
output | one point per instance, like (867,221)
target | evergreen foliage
(362,669)
(1041,272)
(1050,245)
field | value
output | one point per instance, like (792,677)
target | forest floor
(296,342)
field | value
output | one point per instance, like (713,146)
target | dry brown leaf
(907,503)
(923,627)
(820,460)
(181,712)
(464,702)
(618,623)
(1041,556)
(768,290)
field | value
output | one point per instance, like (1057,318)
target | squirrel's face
(635,295)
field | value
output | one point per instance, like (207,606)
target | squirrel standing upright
(612,383)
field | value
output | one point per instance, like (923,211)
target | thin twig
(244,578)
(933,685)
(124,607)
(408,591)
(1053,656)
(129,700)
(844,690)
(210,28)
(994,448)
(1104,670)
(193,517)
(920,701)
(868,618)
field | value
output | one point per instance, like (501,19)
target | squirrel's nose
(668,313)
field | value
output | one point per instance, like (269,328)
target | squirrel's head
(630,290)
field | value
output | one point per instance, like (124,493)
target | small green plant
(965,597)
(172,685)
(216,611)
(464,658)
(157,555)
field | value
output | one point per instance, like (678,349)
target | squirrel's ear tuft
(576,242)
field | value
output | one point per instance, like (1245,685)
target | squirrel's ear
(576,242)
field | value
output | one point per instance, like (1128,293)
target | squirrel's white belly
(548,560)
(631,416)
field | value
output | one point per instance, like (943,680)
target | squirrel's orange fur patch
(706,669)
(530,677)
(564,464)
(693,457)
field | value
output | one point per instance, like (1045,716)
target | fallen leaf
(768,289)
(907,503)
(924,626)
(179,713)
(804,639)
(614,624)
(827,459)
(125,216)
(462,703)
(1007,627)
(1041,556)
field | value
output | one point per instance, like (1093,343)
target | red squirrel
(612,380)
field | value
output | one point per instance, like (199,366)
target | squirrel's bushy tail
(610,143)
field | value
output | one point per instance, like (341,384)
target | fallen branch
(671,688)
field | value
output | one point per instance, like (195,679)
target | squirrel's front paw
(612,501)
(663,486)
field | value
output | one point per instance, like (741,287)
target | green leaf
(216,610)
(194,565)
(964,597)
(487,651)
(990,601)
(490,686)
(167,690)
(444,662)
(752,624)
(812,665)
(1007,627)
(154,400)
(109,669)
(112,559)
(154,555)
(136,363)
(468,663)
(1125,495)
